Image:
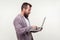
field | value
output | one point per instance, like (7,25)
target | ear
(24,9)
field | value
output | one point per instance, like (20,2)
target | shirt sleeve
(19,28)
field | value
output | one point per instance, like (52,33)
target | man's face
(27,11)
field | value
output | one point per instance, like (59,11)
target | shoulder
(18,18)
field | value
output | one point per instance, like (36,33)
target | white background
(9,9)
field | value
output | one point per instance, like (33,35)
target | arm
(19,28)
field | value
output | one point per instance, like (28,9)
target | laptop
(39,28)
(43,21)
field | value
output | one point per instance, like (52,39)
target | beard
(26,15)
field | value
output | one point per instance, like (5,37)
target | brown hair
(24,5)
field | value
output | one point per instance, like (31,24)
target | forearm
(22,30)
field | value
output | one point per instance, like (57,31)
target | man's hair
(24,5)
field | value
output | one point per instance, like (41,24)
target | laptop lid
(43,21)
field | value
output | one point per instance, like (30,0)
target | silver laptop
(43,21)
(38,29)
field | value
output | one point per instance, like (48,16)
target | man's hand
(34,27)
(37,28)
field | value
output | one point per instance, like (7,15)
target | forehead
(28,7)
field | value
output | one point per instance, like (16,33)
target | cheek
(27,11)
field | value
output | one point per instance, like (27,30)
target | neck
(22,13)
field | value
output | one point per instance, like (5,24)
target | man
(22,25)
